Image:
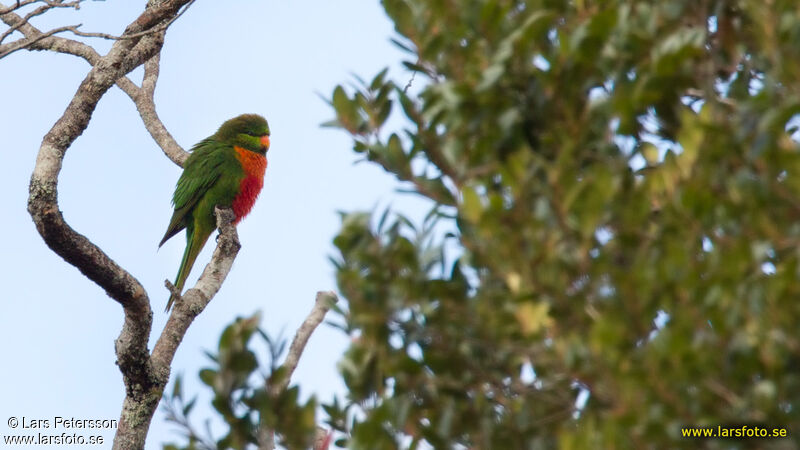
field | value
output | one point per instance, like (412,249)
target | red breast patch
(254,166)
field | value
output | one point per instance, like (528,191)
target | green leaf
(471,205)
(379,80)
(177,391)
(187,409)
(208,376)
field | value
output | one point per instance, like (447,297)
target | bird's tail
(194,244)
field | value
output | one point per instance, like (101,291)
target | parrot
(227,170)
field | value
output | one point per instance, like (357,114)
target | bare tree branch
(157,29)
(19,4)
(49,5)
(195,300)
(34,39)
(45,41)
(145,374)
(323,303)
(145,104)
(143,385)
(37,12)
(139,405)
(11,47)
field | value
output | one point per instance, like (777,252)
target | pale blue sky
(220,59)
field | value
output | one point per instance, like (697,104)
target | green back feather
(211,177)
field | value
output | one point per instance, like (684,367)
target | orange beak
(265,141)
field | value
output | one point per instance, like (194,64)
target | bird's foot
(172,289)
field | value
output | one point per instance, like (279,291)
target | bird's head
(248,131)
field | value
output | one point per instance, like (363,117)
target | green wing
(202,170)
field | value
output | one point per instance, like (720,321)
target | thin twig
(142,97)
(16,6)
(74,28)
(49,42)
(36,12)
(322,304)
(20,44)
(410,82)
(157,29)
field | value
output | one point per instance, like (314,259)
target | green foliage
(601,164)
(243,396)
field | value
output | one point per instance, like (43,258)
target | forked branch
(35,39)
(145,374)
(143,384)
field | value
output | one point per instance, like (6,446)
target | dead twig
(322,304)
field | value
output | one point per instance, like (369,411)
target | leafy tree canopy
(622,187)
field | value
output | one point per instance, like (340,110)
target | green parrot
(226,169)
